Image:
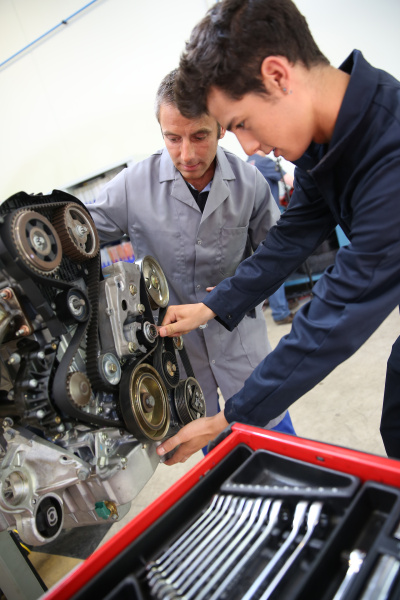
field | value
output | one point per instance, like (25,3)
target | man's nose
(249,144)
(187,151)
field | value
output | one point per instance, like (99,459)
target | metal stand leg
(18,578)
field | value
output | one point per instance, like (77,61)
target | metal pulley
(155,282)
(144,403)
(189,400)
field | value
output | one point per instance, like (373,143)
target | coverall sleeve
(265,213)
(349,302)
(109,211)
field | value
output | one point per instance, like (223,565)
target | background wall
(81,101)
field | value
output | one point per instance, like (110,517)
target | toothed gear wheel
(79,388)
(77,232)
(36,241)
(189,400)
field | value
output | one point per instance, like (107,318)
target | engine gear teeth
(36,241)
(77,231)
(79,389)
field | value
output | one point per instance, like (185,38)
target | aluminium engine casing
(87,387)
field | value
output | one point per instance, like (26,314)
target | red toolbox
(263,515)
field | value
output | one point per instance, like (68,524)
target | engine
(87,387)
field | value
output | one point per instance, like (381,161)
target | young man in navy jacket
(257,69)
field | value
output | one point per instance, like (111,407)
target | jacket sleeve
(300,229)
(109,210)
(349,302)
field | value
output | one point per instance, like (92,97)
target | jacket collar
(358,97)
(219,189)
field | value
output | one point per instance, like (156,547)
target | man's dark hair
(227,48)
(166,95)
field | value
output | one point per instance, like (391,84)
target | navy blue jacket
(354,182)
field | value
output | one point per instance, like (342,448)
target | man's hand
(192,438)
(183,318)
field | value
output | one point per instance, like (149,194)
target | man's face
(191,143)
(269,123)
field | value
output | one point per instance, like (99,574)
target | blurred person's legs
(279,307)
(285,426)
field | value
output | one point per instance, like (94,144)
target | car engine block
(87,387)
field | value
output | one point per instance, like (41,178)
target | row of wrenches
(218,548)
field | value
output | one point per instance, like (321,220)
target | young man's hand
(192,438)
(183,318)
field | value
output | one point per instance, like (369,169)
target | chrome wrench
(312,521)
(298,519)
(273,517)
(356,560)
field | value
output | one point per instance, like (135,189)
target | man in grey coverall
(198,210)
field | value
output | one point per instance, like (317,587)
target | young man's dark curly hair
(226,50)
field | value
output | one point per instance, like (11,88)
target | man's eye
(172,139)
(240,125)
(200,138)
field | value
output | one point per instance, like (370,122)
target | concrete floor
(344,409)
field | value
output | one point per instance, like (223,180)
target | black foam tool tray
(269,474)
(353,516)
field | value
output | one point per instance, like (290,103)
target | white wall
(82,100)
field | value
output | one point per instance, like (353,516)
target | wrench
(382,578)
(298,519)
(242,513)
(178,567)
(312,521)
(227,556)
(273,518)
(211,549)
(356,560)
(159,568)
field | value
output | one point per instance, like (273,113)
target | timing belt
(60,393)
(182,351)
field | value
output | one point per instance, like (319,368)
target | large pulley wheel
(155,282)
(189,401)
(77,232)
(36,241)
(144,403)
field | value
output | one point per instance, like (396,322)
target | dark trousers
(390,421)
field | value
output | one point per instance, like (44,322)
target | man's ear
(275,73)
(222,132)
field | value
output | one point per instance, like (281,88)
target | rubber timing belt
(182,352)
(60,393)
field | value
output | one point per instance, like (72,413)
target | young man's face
(191,143)
(264,123)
